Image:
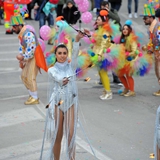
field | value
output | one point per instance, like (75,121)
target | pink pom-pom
(108,50)
(127,53)
(47,54)
(16,6)
(117,39)
(87,40)
(65,41)
(140,54)
(138,44)
(24,8)
(93,41)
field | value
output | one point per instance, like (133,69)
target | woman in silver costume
(62,110)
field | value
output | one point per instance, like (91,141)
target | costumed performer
(61,25)
(136,63)
(113,15)
(101,40)
(30,57)
(64,33)
(154,39)
(62,110)
(125,77)
(156,154)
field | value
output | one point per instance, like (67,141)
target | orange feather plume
(59,18)
(103,13)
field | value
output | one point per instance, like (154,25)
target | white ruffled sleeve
(75,52)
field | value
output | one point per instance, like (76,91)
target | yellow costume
(130,47)
(125,74)
(101,41)
(135,63)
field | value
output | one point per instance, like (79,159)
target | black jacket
(71,15)
(115,1)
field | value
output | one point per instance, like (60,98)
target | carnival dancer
(65,33)
(154,43)
(61,25)
(126,78)
(136,63)
(113,15)
(62,110)
(153,47)
(30,57)
(101,40)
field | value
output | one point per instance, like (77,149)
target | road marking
(8,38)
(24,151)
(19,85)
(18,70)
(10,44)
(7,69)
(41,107)
(10,72)
(86,147)
(9,52)
(15,97)
(18,116)
(8,59)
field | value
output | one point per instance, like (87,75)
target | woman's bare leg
(70,124)
(57,145)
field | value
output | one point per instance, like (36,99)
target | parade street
(117,129)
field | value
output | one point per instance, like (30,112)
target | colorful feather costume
(111,54)
(136,61)
(67,37)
